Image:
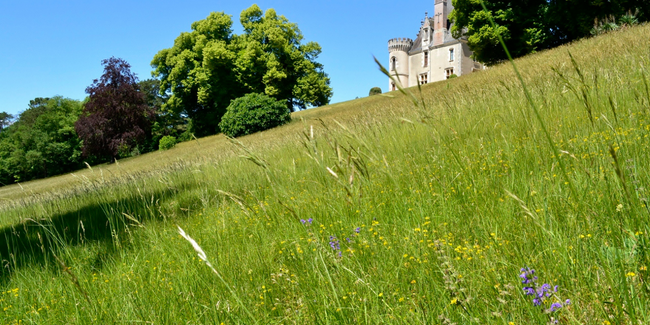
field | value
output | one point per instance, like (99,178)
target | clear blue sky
(50,48)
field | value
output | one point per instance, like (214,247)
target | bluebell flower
(539,293)
(555,307)
(334,243)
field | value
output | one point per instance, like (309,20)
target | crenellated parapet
(400,44)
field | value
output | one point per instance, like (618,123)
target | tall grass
(372,211)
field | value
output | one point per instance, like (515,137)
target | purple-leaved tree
(116,117)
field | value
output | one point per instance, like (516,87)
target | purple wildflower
(555,307)
(539,293)
(527,276)
(358,230)
(334,244)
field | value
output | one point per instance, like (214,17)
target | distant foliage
(167,142)
(534,25)
(5,119)
(42,142)
(452,76)
(253,113)
(609,24)
(167,122)
(375,91)
(116,117)
(210,66)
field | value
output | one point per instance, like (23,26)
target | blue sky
(50,48)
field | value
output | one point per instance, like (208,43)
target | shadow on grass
(34,243)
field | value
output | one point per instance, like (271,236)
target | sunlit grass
(418,214)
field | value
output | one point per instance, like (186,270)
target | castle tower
(442,9)
(426,31)
(398,66)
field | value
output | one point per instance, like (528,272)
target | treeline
(527,26)
(43,141)
(196,80)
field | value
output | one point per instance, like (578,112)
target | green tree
(374,91)
(5,120)
(518,23)
(572,19)
(167,123)
(527,26)
(210,66)
(42,142)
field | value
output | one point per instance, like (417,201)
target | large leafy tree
(42,142)
(527,26)
(518,23)
(572,19)
(167,123)
(116,117)
(210,66)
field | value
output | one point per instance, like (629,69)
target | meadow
(378,210)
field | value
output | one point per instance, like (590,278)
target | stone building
(434,55)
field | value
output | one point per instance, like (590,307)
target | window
(451,55)
(426,58)
(449,72)
(392,86)
(393,63)
(424,79)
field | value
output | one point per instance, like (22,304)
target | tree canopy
(5,119)
(116,117)
(527,26)
(210,66)
(42,142)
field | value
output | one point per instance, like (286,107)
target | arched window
(393,63)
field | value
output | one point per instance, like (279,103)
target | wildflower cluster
(306,222)
(334,244)
(540,293)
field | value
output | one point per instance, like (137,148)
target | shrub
(452,76)
(253,113)
(375,91)
(167,142)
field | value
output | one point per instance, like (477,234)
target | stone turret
(399,60)
(426,31)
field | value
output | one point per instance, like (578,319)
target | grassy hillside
(370,211)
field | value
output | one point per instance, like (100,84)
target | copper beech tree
(116,117)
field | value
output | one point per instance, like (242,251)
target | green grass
(451,197)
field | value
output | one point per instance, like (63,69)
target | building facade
(434,55)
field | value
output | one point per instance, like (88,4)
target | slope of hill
(371,211)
